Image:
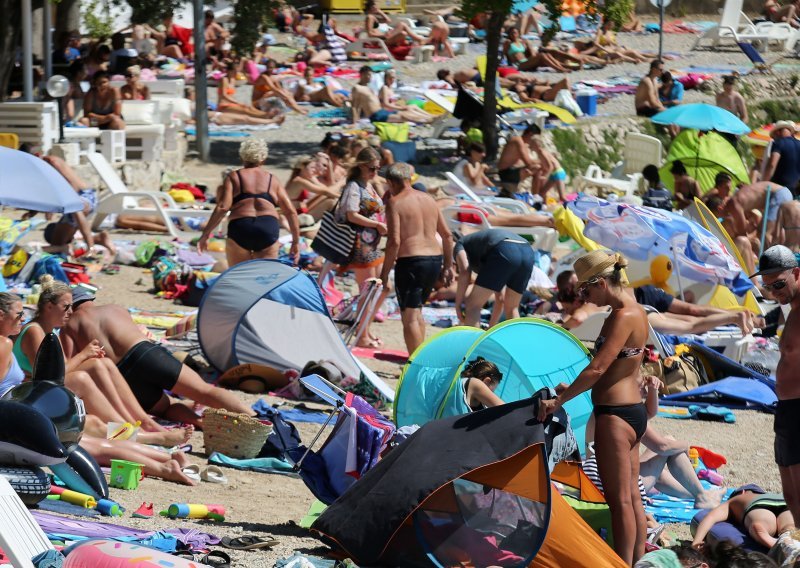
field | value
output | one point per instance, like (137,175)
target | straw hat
(597,263)
(307,223)
(781,124)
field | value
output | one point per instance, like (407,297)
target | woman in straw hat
(613,375)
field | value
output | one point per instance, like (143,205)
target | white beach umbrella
(28,182)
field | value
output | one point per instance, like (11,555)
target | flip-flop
(216,558)
(192,472)
(249,542)
(213,474)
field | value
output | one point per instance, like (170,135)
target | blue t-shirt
(675,94)
(787,172)
(67,55)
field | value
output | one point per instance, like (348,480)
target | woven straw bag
(235,435)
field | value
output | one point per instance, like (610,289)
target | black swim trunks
(254,233)
(510,175)
(414,279)
(787,425)
(646,111)
(149,370)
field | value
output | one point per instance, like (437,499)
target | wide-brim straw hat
(595,264)
(781,124)
(307,223)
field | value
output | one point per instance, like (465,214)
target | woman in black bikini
(614,377)
(252,195)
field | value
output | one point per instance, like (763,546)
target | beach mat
(64,508)
(391,355)
(668,509)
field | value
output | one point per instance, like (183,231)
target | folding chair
(351,314)
(754,56)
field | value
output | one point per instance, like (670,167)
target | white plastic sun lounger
(21,538)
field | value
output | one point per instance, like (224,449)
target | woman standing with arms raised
(253,196)
(614,377)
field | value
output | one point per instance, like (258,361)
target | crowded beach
(322,313)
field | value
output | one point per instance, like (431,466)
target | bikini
(258,232)
(514,49)
(634,414)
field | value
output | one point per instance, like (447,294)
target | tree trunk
(68,18)
(10,32)
(494,28)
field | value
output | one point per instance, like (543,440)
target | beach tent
(704,155)
(531,354)
(470,490)
(269,313)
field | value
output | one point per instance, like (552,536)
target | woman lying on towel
(479,379)
(226,103)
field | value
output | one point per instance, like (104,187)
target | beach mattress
(725,531)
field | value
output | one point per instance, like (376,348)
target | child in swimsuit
(479,380)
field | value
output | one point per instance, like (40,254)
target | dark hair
(532,130)
(75,68)
(442,74)
(678,168)
(118,41)
(103,49)
(714,203)
(655,63)
(729,80)
(666,77)
(368,5)
(337,151)
(476,147)
(26,147)
(99,75)
(650,173)
(566,293)
(480,368)
(230,65)
(208,14)
(364,69)
(721,177)
(728,555)
(687,555)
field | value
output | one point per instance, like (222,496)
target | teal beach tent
(531,354)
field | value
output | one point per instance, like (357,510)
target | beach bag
(334,241)
(682,373)
(170,277)
(235,435)
(392,132)
(15,263)
(148,251)
(49,264)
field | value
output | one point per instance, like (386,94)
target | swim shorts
(414,279)
(510,175)
(381,115)
(787,425)
(777,197)
(646,111)
(149,370)
(558,175)
(510,264)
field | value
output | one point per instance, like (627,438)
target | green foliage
(575,155)
(767,112)
(251,16)
(97,19)
(616,11)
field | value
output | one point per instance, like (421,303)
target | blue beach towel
(668,509)
(260,465)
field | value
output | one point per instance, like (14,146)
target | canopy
(704,155)
(28,182)
(702,116)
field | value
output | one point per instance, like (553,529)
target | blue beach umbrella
(28,182)
(641,233)
(701,116)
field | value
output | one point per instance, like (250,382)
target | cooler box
(587,100)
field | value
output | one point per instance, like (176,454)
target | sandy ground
(269,504)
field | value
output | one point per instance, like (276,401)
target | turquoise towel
(261,465)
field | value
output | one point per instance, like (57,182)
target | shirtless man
(413,221)
(518,151)
(646,100)
(215,34)
(787,228)
(781,275)
(754,196)
(730,99)
(366,103)
(149,368)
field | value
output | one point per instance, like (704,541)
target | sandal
(216,558)
(192,472)
(249,542)
(213,474)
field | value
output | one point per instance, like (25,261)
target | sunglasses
(67,307)
(777,285)
(373,169)
(583,289)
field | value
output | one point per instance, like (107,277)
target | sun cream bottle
(124,431)
(694,457)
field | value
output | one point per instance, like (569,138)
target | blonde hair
(52,290)
(365,156)
(601,264)
(253,151)
(134,70)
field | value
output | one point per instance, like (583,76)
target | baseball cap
(775,259)
(81,294)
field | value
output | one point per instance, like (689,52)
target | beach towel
(292,414)
(314,511)
(284,435)
(260,465)
(668,509)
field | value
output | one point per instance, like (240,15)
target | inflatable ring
(31,483)
(104,553)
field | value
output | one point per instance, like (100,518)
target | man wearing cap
(784,158)
(148,368)
(781,275)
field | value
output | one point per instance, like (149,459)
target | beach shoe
(249,542)
(192,472)
(145,511)
(216,558)
(213,474)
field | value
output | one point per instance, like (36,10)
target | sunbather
(392,103)
(367,104)
(307,192)
(267,87)
(519,53)
(780,14)
(764,515)
(472,170)
(148,368)
(605,46)
(226,103)
(376,24)
(311,90)
(157,463)
(499,217)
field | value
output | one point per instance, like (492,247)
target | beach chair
(457,187)
(20,536)
(120,200)
(734,24)
(458,216)
(350,314)
(754,56)
(625,178)
(590,329)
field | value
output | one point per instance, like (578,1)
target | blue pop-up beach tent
(530,353)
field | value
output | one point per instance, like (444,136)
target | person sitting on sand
(392,103)
(307,192)
(685,186)
(367,104)
(605,47)
(479,379)
(310,90)
(226,91)
(670,93)
(515,164)
(764,515)
(646,98)
(148,368)
(267,87)
(519,53)
(656,195)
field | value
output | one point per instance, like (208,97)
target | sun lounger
(734,24)
(20,536)
(542,238)
(120,200)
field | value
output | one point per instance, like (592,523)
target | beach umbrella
(701,116)
(642,233)
(705,154)
(28,182)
